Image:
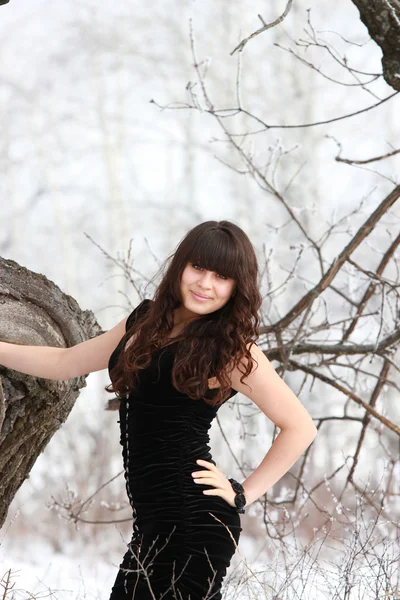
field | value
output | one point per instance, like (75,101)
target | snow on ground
(39,572)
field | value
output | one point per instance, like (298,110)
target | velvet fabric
(182,542)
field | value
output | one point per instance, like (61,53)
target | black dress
(178,549)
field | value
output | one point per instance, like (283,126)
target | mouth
(200,298)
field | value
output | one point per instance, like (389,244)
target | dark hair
(211,342)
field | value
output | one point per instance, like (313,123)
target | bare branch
(370,410)
(265,26)
(362,233)
(231,112)
(349,161)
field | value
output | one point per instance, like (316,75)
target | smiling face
(216,286)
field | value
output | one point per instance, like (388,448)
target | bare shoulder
(269,392)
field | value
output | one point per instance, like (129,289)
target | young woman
(186,352)
(172,363)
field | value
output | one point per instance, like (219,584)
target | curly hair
(210,344)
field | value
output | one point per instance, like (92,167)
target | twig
(349,161)
(264,27)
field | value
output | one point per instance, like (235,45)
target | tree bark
(382,19)
(34,311)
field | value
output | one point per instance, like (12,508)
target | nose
(205,280)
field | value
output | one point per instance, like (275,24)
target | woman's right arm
(51,362)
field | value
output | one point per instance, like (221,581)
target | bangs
(216,251)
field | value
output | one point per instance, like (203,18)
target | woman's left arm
(277,401)
(286,449)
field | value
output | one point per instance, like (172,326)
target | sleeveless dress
(181,545)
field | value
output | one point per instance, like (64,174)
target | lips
(201,295)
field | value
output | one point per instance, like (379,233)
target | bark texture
(382,19)
(34,311)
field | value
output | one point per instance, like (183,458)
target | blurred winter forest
(123,125)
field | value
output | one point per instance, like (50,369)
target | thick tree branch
(34,311)
(382,19)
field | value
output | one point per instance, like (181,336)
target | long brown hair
(211,342)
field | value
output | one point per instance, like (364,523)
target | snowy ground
(39,572)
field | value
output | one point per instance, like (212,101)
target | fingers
(218,483)
(208,465)
(212,476)
(206,480)
(203,474)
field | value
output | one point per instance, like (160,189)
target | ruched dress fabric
(181,545)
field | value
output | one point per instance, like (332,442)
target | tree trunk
(34,312)
(382,19)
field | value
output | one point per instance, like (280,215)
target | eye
(194,265)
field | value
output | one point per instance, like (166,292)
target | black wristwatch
(240,498)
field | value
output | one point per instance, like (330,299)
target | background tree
(35,312)
(382,19)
